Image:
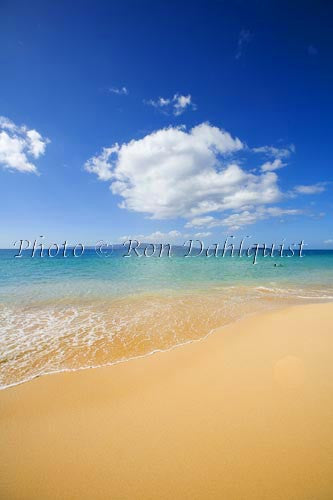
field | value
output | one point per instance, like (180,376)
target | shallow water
(62,314)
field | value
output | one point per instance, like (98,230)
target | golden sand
(245,414)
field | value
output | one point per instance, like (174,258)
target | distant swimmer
(278,265)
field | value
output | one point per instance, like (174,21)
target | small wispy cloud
(181,102)
(275,156)
(203,235)
(173,236)
(317,188)
(155,237)
(270,166)
(118,90)
(175,105)
(328,242)
(237,220)
(272,151)
(243,39)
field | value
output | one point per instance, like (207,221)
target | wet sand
(244,414)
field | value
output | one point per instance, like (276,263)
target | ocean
(72,313)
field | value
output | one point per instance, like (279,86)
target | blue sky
(221,111)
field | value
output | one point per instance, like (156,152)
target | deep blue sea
(70,313)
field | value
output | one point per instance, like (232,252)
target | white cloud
(274,152)
(243,218)
(270,166)
(173,236)
(155,237)
(172,173)
(275,155)
(200,221)
(310,189)
(238,220)
(195,175)
(328,242)
(181,102)
(161,102)
(101,165)
(118,91)
(202,235)
(19,146)
(175,105)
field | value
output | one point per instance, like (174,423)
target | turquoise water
(32,279)
(69,313)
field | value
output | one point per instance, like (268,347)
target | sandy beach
(245,413)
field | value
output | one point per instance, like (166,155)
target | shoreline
(243,415)
(273,308)
(218,329)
